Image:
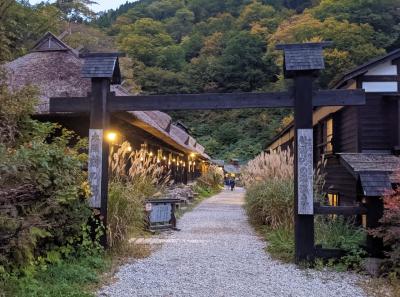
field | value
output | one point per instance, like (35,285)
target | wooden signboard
(160,213)
(305,171)
(94,166)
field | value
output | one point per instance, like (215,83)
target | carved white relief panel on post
(95,165)
(305,171)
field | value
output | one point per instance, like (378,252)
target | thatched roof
(55,69)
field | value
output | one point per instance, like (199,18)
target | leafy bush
(43,191)
(67,278)
(15,108)
(338,233)
(270,203)
(341,233)
(43,188)
(389,231)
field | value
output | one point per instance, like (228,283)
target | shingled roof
(374,170)
(102,65)
(57,73)
(303,56)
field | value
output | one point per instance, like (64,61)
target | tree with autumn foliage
(389,231)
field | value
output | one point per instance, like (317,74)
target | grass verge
(69,278)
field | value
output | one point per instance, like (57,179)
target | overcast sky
(103,4)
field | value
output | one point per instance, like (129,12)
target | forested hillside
(184,46)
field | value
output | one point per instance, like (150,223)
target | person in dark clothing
(232,183)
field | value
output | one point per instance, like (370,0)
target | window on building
(329,136)
(364,216)
(324,137)
(333,199)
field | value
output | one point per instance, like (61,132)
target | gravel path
(216,253)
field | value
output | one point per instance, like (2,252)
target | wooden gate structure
(302,62)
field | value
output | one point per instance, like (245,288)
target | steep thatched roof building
(55,69)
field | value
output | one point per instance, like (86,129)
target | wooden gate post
(303,168)
(301,63)
(99,150)
(103,70)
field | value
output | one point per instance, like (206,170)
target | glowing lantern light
(111,136)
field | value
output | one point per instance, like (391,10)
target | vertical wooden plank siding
(375,125)
(345,130)
(339,180)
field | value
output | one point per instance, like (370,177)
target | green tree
(76,10)
(245,65)
(144,40)
(354,44)
(171,57)
(256,12)
(21,25)
(382,15)
(181,24)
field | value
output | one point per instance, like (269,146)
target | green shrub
(281,243)
(270,203)
(68,278)
(340,233)
(43,194)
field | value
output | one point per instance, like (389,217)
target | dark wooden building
(55,69)
(360,143)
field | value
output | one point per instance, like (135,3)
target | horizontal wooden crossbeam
(326,254)
(339,210)
(208,101)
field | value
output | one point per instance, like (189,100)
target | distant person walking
(232,183)
(227,183)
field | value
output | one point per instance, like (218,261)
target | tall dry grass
(269,182)
(127,165)
(277,165)
(135,176)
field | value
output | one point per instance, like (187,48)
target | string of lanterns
(159,157)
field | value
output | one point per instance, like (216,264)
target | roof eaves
(281,133)
(49,35)
(362,69)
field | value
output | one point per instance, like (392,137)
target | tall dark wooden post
(302,61)
(99,122)
(102,69)
(303,110)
